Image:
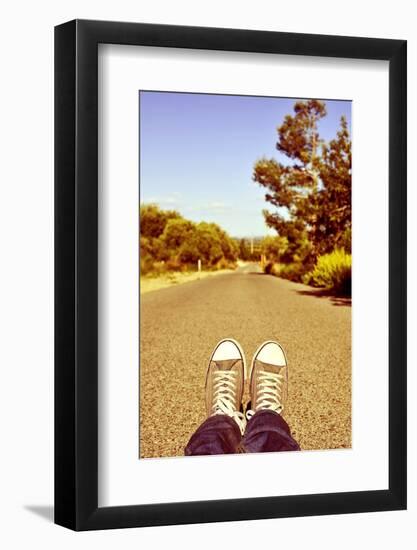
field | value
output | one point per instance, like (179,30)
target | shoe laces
(269,393)
(224,397)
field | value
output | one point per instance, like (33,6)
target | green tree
(208,243)
(311,192)
(334,212)
(244,250)
(228,246)
(176,232)
(152,220)
(169,241)
(274,248)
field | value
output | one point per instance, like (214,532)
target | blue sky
(197,153)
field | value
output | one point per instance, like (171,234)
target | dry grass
(148,284)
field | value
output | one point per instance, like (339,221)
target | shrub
(346,240)
(274,247)
(224,263)
(169,242)
(293,271)
(332,271)
(151,268)
(146,264)
(271,268)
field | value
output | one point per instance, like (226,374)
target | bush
(332,271)
(151,268)
(346,240)
(293,272)
(169,242)
(272,268)
(274,248)
(146,264)
(224,263)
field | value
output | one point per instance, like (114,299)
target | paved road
(181,325)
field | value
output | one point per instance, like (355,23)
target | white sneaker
(225,381)
(268,379)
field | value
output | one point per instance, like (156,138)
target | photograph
(208,333)
(245,274)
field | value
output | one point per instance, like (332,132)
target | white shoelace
(224,395)
(269,393)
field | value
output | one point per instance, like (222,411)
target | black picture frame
(76,272)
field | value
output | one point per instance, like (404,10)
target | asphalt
(181,325)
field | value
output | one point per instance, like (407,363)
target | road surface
(181,325)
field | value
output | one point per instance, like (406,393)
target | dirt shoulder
(149,284)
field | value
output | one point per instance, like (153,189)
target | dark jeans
(265,432)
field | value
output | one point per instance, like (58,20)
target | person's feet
(225,382)
(268,379)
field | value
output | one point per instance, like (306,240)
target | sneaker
(268,379)
(225,381)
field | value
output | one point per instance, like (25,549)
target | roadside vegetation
(170,243)
(311,196)
(332,271)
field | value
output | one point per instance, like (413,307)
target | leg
(217,435)
(266,432)
(221,433)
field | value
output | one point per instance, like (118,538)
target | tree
(274,248)
(169,241)
(228,246)
(153,220)
(334,211)
(176,232)
(244,250)
(311,192)
(208,242)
